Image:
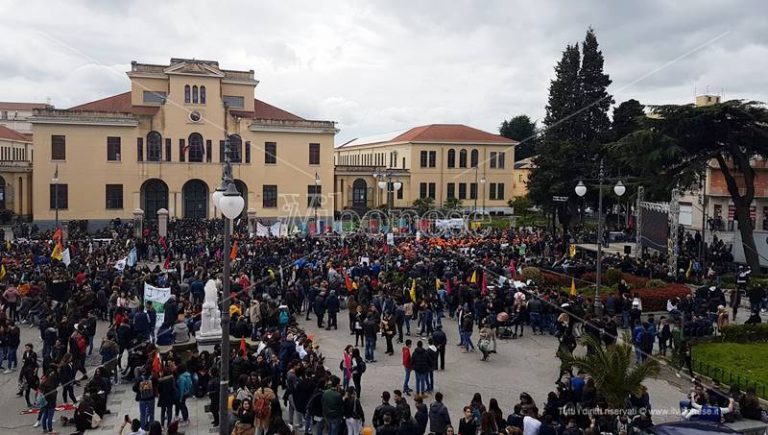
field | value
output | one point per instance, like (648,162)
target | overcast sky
(381,66)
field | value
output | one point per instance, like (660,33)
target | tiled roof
(264,110)
(23,106)
(7,133)
(453,133)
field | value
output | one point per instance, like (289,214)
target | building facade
(523,170)
(161,146)
(438,161)
(16,115)
(15,173)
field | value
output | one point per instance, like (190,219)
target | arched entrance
(359,193)
(195,194)
(243,189)
(154,196)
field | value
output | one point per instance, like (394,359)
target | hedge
(745,333)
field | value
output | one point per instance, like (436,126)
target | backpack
(146,389)
(361,366)
(261,407)
(40,400)
(283,317)
(82,344)
(639,334)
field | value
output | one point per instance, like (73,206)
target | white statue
(210,322)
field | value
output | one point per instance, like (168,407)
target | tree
(616,377)
(521,205)
(423,205)
(595,124)
(523,130)
(451,204)
(678,142)
(627,117)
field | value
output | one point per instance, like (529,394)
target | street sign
(560,198)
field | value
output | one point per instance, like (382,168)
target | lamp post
(315,201)
(581,190)
(55,181)
(385,183)
(482,181)
(474,208)
(229,201)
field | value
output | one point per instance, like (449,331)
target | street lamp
(482,181)
(385,183)
(581,190)
(229,201)
(55,181)
(474,208)
(315,201)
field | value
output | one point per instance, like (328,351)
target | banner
(275,229)
(65,257)
(284,230)
(261,230)
(158,296)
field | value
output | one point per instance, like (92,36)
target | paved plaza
(527,364)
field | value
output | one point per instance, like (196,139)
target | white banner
(274,230)
(261,230)
(158,296)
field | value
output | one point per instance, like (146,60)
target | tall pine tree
(595,102)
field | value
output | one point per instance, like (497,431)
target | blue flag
(132,258)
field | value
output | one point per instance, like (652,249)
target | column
(138,223)
(251,213)
(162,222)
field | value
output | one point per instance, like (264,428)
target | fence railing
(729,378)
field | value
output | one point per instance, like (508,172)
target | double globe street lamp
(581,189)
(228,200)
(386,184)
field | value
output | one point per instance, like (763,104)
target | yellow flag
(2,272)
(573,287)
(437,283)
(689,272)
(58,252)
(7,245)
(413,290)
(572,250)
(473,280)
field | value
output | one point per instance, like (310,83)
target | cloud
(382,66)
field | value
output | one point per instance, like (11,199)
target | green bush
(613,276)
(746,333)
(656,283)
(532,273)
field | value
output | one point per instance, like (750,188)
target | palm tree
(616,377)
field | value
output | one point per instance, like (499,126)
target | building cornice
(291,126)
(117,121)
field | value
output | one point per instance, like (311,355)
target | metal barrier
(729,378)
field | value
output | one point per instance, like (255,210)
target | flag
(65,257)
(164,244)
(473,279)
(243,347)
(156,365)
(57,236)
(437,283)
(484,288)
(2,272)
(120,264)
(689,272)
(413,290)
(57,253)
(572,250)
(573,287)
(167,263)
(347,282)
(132,257)
(7,245)
(233,252)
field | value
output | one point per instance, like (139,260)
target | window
(432,159)
(247,151)
(463,158)
(195,147)
(269,196)
(473,191)
(202,94)
(424,156)
(5,114)
(139,149)
(168,145)
(208,150)
(114,196)
(496,191)
(62,190)
(400,191)
(451,191)
(236,149)
(462,190)
(182,150)
(493,160)
(422,190)
(187,98)
(233,102)
(195,95)
(403,163)
(270,153)
(451,158)
(500,162)
(113,149)
(314,154)
(686,213)
(154,147)
(154,97)
(432,190)
(314,195)
(473,158)
(58,147)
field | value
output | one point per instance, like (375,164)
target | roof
(7,133)
(23,106)
(452,133)
(122,103)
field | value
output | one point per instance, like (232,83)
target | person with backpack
(141,324)
(333,407)
(184,389)
(46,401)
(283,318)
(639,338)
(263,398)
(146,391)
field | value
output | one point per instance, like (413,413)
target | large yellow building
(439,161)
(161,145)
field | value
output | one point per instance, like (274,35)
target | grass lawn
(745,360)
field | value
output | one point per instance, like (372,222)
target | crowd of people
(407,293)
